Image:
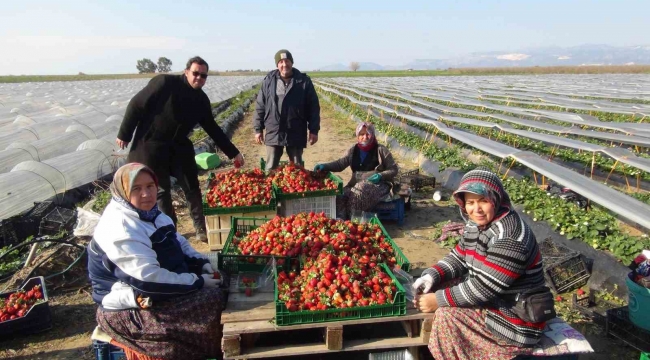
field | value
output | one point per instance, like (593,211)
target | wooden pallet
(247,318)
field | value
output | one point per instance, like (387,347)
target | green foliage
(164,65)
(146,66)
(596,227)
(10,262)
(102,198)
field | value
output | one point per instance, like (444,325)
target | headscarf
(122,184)
(484,182)
(372,141)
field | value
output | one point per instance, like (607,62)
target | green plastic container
(402,261)
(638,303)
(645,356)
(309,194)
(235,263)
(284,317)
(207,210)
(207,161)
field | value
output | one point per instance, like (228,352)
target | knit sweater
(496,264)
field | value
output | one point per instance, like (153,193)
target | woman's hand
(426,303)
(208,269)
(209,281)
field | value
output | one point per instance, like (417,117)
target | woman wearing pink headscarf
(373,170)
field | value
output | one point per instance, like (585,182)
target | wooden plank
(334,338)
(310,349)
(259,326)
(264,313)
(230,345)
(425,332)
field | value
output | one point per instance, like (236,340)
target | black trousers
(176,161)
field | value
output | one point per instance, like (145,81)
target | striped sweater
(496,263)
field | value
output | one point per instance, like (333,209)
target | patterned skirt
(461,334)
(186,327)
(363,196)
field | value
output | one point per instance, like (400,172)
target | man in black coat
(287,106)
(162,115)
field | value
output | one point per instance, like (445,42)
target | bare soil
(74,311)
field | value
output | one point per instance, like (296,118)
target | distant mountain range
(547,56)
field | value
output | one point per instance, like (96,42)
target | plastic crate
(40,209)
(207,210)
(620,327)
(218,226)
(415,179)
(564,268)
(393,210)
(106,351)
(550,357)
(57,220)
(402,261)
(309,194)
(326,204)
(284,317)
(37,319)
(235,263)
(403,354)
(16,229)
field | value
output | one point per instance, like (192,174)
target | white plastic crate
(403,354)
(326,204)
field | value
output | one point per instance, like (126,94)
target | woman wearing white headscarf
(157,296)
(373,170)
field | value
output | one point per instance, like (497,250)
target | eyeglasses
(202,75)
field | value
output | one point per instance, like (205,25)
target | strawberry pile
(291,178)
(239,188)
(330,281)
(18,304)
(340,260)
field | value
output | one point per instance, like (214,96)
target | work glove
(425,282)
(375,178)
(208,269)
(209,282)
(319,167)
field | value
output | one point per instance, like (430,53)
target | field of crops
(580,131)
(58,136)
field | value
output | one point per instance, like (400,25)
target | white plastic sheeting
(611,199)
(57,136)
(622,155)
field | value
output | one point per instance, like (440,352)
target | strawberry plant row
(596,227)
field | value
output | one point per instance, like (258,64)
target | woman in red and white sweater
(496,259)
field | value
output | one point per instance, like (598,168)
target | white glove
(426,282)
(209,282)
(207,268)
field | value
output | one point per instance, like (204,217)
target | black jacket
(164,113)
(300,111)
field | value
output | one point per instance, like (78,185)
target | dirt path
(74,311)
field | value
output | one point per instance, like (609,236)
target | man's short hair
(198,60)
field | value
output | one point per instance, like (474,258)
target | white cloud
(564,57)
(513,57)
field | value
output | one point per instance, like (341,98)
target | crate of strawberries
(252,242)
(25,311)
(294,182)
(238,191)
(333,288)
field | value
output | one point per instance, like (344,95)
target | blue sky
(101,37)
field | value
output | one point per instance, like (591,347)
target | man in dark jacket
(287,106)
(162,115)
